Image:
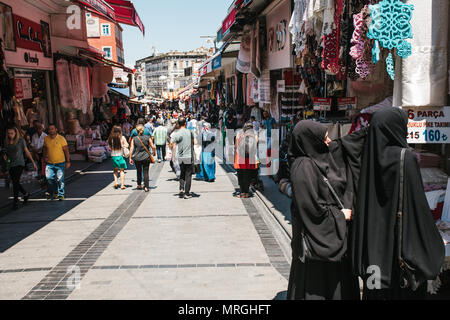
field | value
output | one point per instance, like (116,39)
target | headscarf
(373,237)
(308,140)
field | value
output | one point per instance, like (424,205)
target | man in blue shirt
(149,126)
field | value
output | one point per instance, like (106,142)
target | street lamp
(211,39)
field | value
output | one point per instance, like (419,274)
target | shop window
(106,29)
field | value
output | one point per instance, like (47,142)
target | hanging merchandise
(64,84)
(360,51)
(389,28)
(331,42)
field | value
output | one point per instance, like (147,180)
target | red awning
(126,13)
(100,7)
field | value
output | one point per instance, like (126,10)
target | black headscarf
(315,211)
(373,236)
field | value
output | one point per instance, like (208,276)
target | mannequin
(20,118)
(32,113)
(256,112)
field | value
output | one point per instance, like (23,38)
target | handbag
(196,168)
(152,160)
(126,151)
(409,276)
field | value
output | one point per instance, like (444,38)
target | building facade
(106,36)
(169,72)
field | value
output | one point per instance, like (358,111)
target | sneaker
(48,196)
(159,160)
(55,196)
(25,198)
(187,196)
(181,194)
(61,198)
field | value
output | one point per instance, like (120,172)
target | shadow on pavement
(16,226)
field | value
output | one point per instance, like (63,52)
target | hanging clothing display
(66,93)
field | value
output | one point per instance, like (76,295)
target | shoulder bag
(125,150)
(409,276)
(306,250)
(152,160)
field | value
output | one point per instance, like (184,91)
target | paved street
(133,245)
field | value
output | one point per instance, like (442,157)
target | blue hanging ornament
(376,52)
(391,25)
(390,66)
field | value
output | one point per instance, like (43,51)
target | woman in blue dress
(207,140)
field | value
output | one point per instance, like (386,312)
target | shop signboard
(428,125)
(345,104)
(229,22)
(23,88)
(32,36)
(322,104)
(278,37)
(219,35)
(264,87)
(217,62)
(93,27)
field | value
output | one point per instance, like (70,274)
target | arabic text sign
(28,34)
(428,125)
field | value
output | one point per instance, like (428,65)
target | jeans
(55,178)
(161,151)
(186,178)
(16,173)
(142,168)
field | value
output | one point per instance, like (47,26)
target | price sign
(345,104)
(322,104)
(428,125)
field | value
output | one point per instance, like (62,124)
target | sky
(173,25)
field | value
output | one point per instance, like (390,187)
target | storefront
(29,62)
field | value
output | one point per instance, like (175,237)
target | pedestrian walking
(160,138)
(322,174)
(402,247)
(37,147)
(246,158)
(57,159)
(15,149)
(207,140)
(174,164)
(134,132)
(140,146)
(119,151)
(185,141)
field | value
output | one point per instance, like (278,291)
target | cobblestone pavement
(103,243)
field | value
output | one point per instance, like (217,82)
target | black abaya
(374,227)
(325,273)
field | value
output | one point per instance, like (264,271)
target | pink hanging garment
(75,76)
(64,84)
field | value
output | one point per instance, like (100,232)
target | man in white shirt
(37,143)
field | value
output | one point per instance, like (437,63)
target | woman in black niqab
(320,268)
(374,226)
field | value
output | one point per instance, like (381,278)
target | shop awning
(100,7)
(99,57)
(126,13)
(122,91)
